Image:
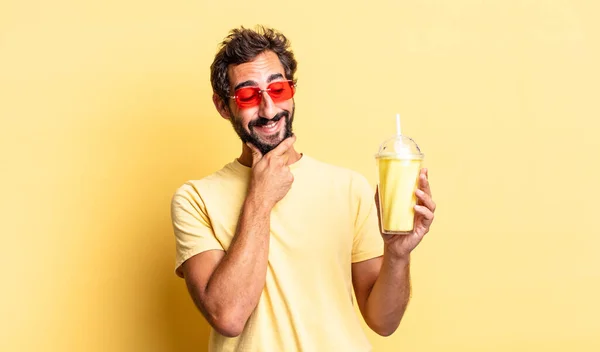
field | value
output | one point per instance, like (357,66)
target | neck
(246,156)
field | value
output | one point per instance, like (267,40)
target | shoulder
(326,168)
(341,176)
(195,191)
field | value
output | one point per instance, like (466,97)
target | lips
(271,127)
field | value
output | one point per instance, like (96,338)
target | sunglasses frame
(261,91)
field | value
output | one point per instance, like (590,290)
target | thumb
(256,154)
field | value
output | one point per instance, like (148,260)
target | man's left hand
(400,246)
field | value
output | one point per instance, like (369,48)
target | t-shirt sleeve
(191,224)
(368,242)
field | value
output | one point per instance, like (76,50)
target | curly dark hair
(243,45)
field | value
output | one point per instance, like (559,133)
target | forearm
(389,296)
(234,289)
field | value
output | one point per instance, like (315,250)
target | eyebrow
(274,77)
(245,84)
(248,83)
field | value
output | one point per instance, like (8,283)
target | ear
(221,106)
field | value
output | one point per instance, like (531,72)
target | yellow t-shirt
(326,222)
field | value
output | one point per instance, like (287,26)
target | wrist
(257,204)
(395,258)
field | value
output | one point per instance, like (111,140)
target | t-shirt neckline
(243,168)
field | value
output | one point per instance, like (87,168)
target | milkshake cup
(399,163)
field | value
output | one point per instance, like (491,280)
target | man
(271,245)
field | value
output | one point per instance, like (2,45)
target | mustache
(261,121)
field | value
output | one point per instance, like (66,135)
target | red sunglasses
(249,97)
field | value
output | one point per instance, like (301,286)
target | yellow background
(105,110)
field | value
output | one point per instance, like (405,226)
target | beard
(252,137)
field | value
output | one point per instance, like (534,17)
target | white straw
(398,129)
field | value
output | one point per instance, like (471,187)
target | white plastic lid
(400,147)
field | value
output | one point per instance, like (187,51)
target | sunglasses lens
(247,97)
(281,91)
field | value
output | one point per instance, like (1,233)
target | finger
(377,208)
(256,154)
(284,159)
(425,199)
(283,146)
(425,213)
(424,182)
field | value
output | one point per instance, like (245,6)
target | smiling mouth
(270,124)
(261,121)
(266,126)
(269,128)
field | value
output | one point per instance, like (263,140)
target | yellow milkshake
(398,180)
(399,161)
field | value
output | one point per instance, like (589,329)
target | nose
(266,108)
